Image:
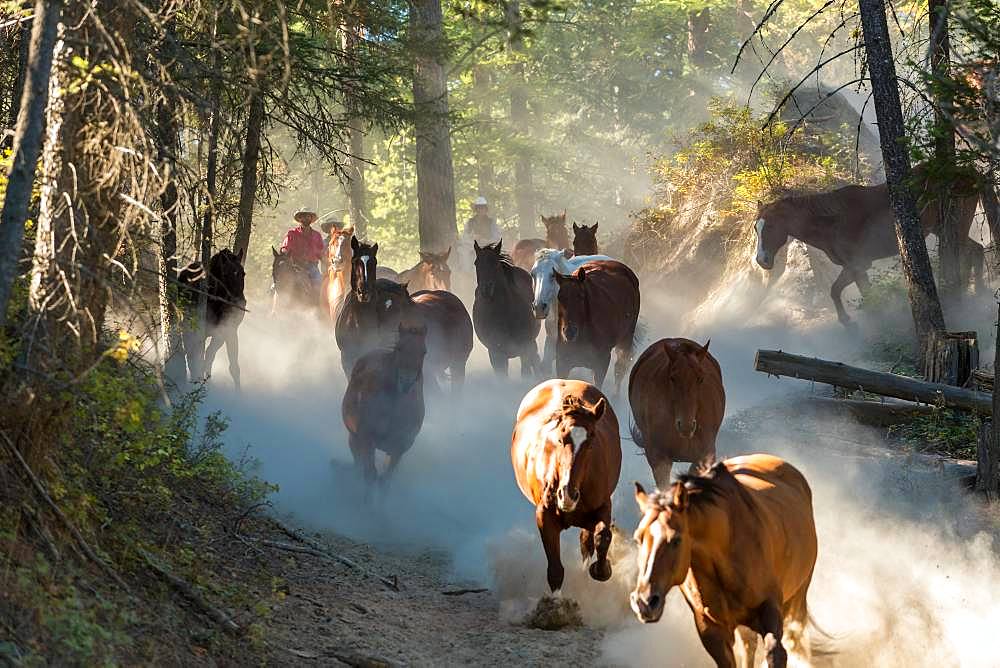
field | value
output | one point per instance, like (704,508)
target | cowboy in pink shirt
(304,245)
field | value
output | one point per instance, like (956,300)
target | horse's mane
(828,203)
(713,484)
(571,405)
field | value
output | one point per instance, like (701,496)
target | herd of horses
(737,536)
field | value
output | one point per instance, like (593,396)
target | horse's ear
(595,226)
(239,256)
(704,348)
(500,245)
(475,246)
(374,250)
(760,205)
(274,251)
(445,255)
(640,496)
(599,408)
(576,228)
(679,497)
(355,244)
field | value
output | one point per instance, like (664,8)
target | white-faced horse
(548,262)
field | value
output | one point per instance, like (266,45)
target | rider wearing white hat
(481,227)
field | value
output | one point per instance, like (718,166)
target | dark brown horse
(225,306)
(383,407)
(431,273)
(598,312)
(292,285)
(676,394)
(372,310)
(556,236)
(449,334)
(740,542)
(585,240)
(501,311)
(854,226)
(567,457)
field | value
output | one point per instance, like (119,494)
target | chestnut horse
(676,394)
(431,273)
(556,236)
(501,311)
(449,333)
(567,457)
(337,280)
(585,239)
(598,311)
(371,311)
(854,226)
(740,542)
(383,407)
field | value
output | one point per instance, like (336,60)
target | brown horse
(431,273)
(676,394)
(337,280)
(556,236)
(854,226)
(567,457)
(501,311)
(740,542)
(585,240)
(292,285)
(449,333)
(598,311)
(370,313)
(383,407)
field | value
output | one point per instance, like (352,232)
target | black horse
(502,313)
(372,310)
(224,310)
(292,284)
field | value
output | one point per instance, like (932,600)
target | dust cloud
(908,573)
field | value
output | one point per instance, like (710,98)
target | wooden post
(951,357)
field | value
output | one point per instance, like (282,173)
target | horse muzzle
(687,430)
(362,296)
(540,312)
(647,609)
(567,499)
(570,332)
(765,261)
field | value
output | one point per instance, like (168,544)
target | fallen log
(879,414)
(777,363)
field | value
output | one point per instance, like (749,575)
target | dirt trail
(333,615)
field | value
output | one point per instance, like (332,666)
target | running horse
(585,239)
(501,311)
(430,273)
(449,334)
(598,313)
(545,290)
(337,280)
(740,542)
(678,401)
(372,310)
(854,226)
(383,406)
(292,284)
(556,236)
(567,457)
(225,306)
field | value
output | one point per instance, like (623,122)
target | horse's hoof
(601,570)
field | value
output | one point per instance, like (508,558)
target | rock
(553,613)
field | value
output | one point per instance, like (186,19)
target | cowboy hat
(330,225)
(480,201)
(305,215)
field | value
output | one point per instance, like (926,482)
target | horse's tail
(826,645)
(639,334)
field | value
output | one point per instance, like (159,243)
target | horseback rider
(481,227)
(304,245)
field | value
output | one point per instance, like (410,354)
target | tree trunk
(924,304)
(17,85)
(27,145)
(435,171)
(524,201)
(988,448)
(484,166)
(778,363)
(699,23)
(951,357)
(357,195)
(949,245)
(248,180)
